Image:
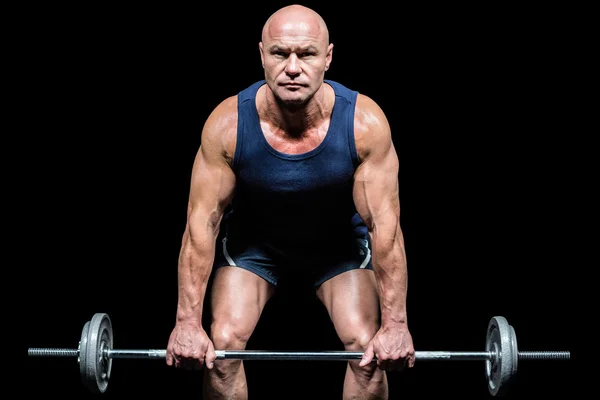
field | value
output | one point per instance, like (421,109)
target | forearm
(389,264)
(195,265)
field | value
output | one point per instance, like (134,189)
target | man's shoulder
(368,114)
(224,114)
(371,126)
(220,128)
(221,125)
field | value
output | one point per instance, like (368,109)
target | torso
(300,189)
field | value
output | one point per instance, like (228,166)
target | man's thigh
(352,302)
(238,298)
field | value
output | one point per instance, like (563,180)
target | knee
(230,334)
(357,331)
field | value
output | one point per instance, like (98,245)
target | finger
(199,363)
(210,356)
(400,361)
(406,359)
(411,360)
(367,356)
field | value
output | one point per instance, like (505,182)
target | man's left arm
(376,195)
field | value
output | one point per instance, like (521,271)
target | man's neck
(297,121)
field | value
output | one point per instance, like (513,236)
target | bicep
(213,180)
(376,186)
(212,185)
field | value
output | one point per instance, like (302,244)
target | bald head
(295,20)
(295,53)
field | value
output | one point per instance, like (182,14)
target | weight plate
(501,342)
(83,344)
(515,351)
(96,366)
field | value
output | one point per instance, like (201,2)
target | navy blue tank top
(289,201)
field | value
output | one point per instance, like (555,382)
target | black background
(109,106)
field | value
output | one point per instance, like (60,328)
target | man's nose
(292,67)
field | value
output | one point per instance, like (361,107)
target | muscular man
(309,169)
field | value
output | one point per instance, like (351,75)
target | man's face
(295,57)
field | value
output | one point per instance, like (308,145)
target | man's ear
(262,54)
(329,56)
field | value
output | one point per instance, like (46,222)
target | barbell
(95,354)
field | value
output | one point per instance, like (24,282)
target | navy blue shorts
(315,264)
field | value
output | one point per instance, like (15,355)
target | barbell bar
(95,354)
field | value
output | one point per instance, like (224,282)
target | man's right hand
(189,347)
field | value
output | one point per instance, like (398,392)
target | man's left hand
(393,348)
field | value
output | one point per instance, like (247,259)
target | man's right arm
(211,189)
